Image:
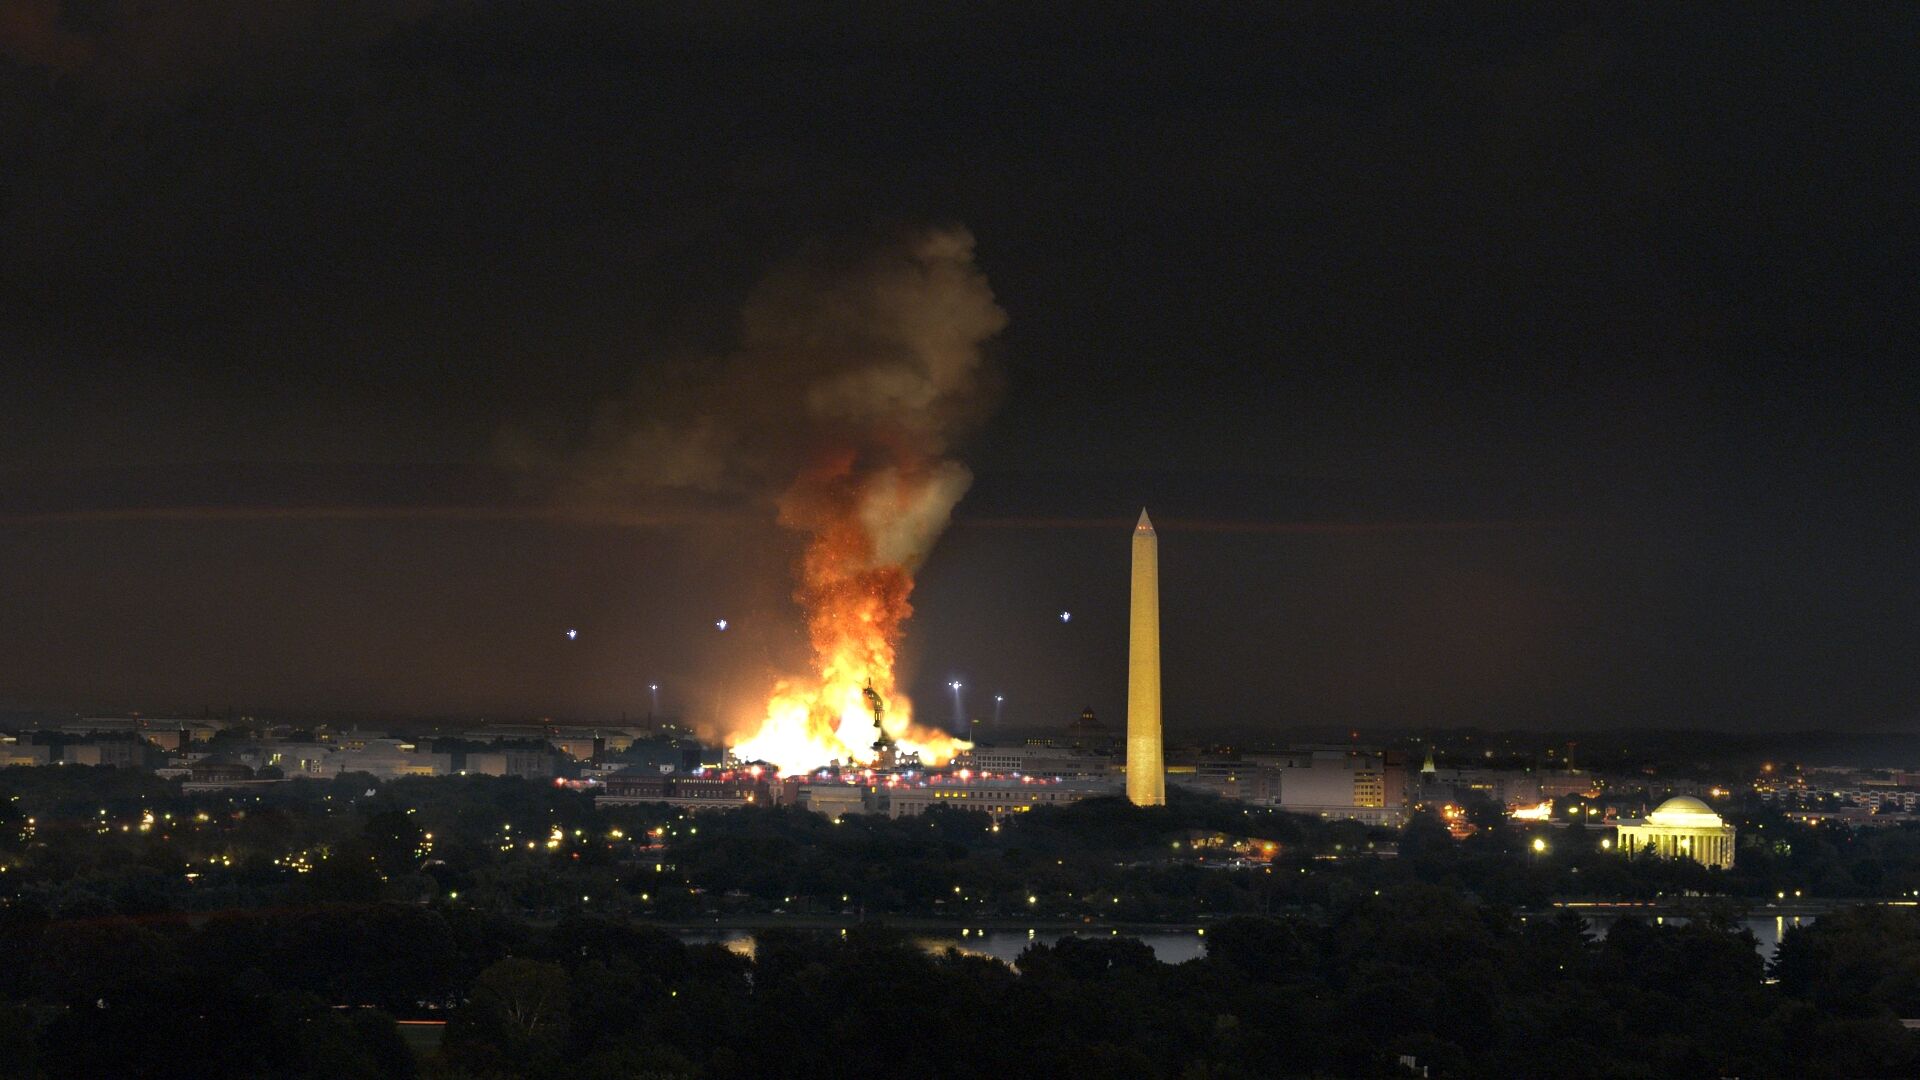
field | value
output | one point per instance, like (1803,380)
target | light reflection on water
(1767,930)
(1005,945)
(1171,947)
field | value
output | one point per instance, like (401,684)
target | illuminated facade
(998,797)
(1681,828)
(725,792)
(1036,761)
(1146,767)
(833,800)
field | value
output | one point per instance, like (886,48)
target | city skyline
(562,539)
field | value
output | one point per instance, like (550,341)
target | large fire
(859,370)
(867,529)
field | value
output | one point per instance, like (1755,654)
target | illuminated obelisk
(1146,770)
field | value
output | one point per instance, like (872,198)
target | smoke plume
(838,410)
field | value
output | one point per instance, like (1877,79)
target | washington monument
(1146,770)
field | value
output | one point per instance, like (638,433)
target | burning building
(837,411)
(897,347)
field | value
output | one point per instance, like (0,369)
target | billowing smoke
(852,379)
(134,49)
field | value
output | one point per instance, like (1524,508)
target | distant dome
(1684,810)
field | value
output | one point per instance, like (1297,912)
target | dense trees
(1855,961)
(150,933)
(1418,971)
(112,997)
(1776,857)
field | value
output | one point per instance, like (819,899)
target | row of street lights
(959,708)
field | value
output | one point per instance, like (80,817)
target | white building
(533,764)
(996,797)
(833,800)
(1061,761)
(1683,827)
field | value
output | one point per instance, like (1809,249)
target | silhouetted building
(170,739)
(126,751)
(1346,783)
(578,747)
(1508,787)
(99,725)
(218,769)
(688,792)
(531,764)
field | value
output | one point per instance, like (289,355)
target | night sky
(1544,369)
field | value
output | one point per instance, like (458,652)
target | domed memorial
(1683,827)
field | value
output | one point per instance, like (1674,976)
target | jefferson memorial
(1682,827)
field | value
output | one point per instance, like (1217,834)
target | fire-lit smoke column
(876,491)
(835,413)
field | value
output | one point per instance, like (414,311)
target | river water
(1172,947)
(1767,930)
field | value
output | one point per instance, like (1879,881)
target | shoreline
(1601,908)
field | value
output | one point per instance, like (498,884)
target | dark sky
(1539,368)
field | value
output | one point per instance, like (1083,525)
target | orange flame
(867,529)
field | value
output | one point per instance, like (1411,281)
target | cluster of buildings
(627,765)
(123,742)
(1874,798)
(1508,787)
(836,795)
(650,764)
(218,753)
(1349,783)
(1881,800)
(1834,791)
